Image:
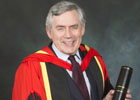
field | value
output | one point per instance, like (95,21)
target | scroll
(122,83)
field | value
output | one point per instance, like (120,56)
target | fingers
(128,91)
(111,92)
(109,95)
(128,95)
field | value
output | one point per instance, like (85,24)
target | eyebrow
(74,25)
(60,26)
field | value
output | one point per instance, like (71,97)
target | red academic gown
(31,76)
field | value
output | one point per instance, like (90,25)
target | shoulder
(40,55)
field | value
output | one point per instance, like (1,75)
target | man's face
(66,32)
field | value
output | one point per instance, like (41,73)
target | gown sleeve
(28,82)
(23,82)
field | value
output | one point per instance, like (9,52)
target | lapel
(95,78)
(92,76)
(61,84)
(94,89)
(74,91)
(58,82)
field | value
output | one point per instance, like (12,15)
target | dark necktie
(78,78)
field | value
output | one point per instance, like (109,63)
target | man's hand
(111,92)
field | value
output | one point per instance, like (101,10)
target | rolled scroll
(122,83)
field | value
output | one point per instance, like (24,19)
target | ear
(48,31)
(83,29)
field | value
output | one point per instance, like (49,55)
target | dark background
(113,28)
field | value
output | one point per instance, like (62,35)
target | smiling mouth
(68,43)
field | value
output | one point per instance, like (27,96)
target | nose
(67,33)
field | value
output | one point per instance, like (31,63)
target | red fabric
(82,48)
(28,78)
(53,59)
(48,58)
(88,57)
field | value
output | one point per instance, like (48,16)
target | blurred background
(112,28)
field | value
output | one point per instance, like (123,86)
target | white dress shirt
(77,58)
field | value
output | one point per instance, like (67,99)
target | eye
(74,26)
(60,28)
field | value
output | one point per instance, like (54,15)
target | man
(66,69)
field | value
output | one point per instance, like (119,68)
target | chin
(71,52)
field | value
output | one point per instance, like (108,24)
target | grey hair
(62,7)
